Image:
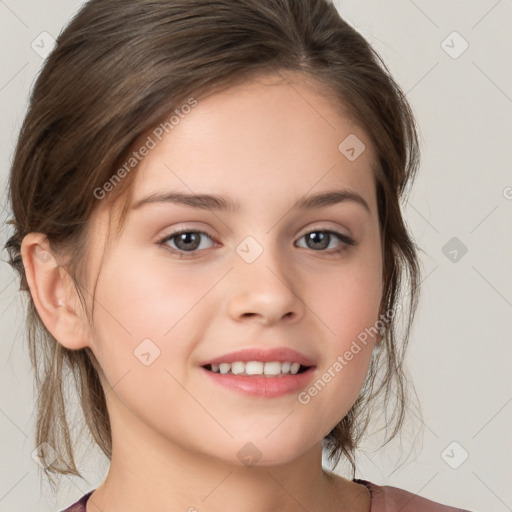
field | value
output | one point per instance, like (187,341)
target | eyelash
(347,242)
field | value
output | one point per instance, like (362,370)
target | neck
(148,472)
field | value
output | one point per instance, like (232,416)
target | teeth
(256,368)
(237,367)
(253,367)
(224,367)
(272,368)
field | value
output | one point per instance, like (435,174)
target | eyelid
(320,227)
(184,228)
(346,241)
(188,229)
(180,231)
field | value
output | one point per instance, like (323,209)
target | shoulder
(79,506)
(392,499)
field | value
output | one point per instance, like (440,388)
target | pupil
(188,238)
(320,238)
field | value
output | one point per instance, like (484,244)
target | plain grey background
(452,59)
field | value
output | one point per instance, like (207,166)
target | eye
(321,239)
(186,241)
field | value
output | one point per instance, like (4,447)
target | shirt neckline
(366,483)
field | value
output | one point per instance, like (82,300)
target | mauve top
(384,499)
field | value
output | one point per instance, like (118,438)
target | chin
(262,451)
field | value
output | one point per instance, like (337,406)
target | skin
(265,143)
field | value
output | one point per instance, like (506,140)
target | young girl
(205,199)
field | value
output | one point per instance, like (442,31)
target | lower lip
(267,387)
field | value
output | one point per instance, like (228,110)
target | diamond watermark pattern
(42,254)
(454,249)
(146,352)
(352,147)
(454,45)
(249,454)
(43,44)
(454,455)
(249,249)
(48,451)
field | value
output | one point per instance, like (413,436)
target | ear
(53,293)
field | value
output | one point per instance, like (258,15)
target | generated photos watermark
(150,143)
(304,397)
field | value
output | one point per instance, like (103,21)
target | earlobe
(53,293)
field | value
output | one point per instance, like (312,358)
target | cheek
(151,295)
(347,305)
(145,327)
(347,300)
(147,301)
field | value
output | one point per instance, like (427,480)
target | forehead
(268,137)
(263,144)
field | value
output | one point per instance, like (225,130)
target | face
(266,275)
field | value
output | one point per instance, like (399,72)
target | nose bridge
(262,282)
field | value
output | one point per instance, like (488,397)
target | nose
(265,291)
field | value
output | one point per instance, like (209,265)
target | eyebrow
(220,203)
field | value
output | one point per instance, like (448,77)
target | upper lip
(281,354)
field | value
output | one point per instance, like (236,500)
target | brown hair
(118,69)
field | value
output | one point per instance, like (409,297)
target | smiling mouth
(258,368)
